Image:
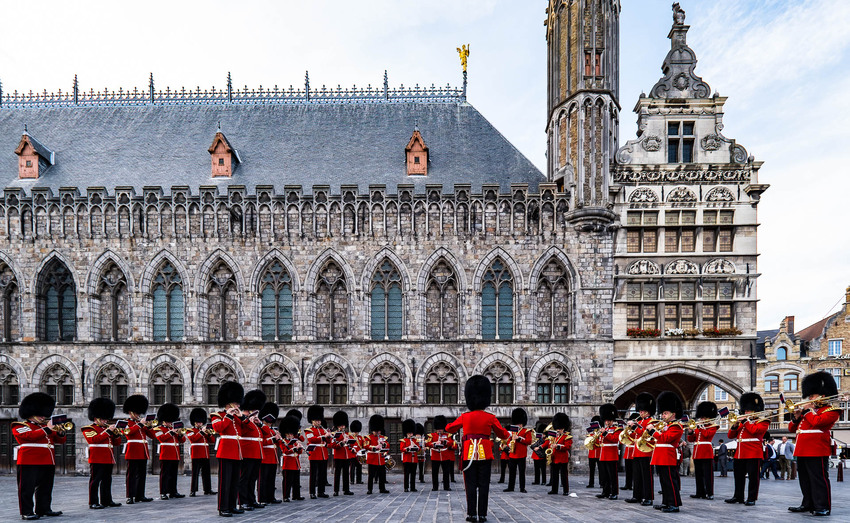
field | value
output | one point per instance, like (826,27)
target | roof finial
(229,88)
(415,124)
(150,87)
(307,85)
(678,14)
(76,90)
(219,126)
(25,129)
(463,52)
(386,86)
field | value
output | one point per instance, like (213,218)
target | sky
(784,64)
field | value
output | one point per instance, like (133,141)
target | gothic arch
(54,255)
(375,261)
(55,359)
(432,260)
(152,267)
(499,252)
(147,370)
(275,357)
(372,364)
(317,364)
(503,358)
(23,379)
(4,258)
(784,367)
(97,268)
(313,272)
(94,369)
(260,267)
(432,360)
(560,255)
(563,359)
(205,366)
(209,264)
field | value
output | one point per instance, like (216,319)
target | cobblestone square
(70,496)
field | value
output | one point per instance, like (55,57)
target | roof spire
(150,87)
(1,94)
(386,86)
(76,90)
(679,79)
(229,88)
(307,85)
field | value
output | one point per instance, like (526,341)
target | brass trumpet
(790,405)
(64,427)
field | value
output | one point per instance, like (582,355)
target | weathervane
(463,52)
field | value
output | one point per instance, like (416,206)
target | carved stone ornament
(679,80)
(739,154)
(719,266)
(644,267)
(682,195)
(720,194)
(681,267)
(651,143)
(684,176)
(711,142)
(643,195)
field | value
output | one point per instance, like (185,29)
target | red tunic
(534,455)
(641,427)
(813,430)
(666,442)
(375,448)
(136,446)
(477,426)
(442,446)
(352,445)
(227,427)
(199,443)
(701,438)
(561,446)
(523,441)
(35,443)
(269,452)
(320,437)
(169,444)
(610,450)
(291,450)
(409,450)
(750,437)
(250,440)
(101,442)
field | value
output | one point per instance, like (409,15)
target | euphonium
(592,440)
(646,442)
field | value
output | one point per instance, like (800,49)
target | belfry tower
(583,106)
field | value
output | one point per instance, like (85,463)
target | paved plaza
(70,496)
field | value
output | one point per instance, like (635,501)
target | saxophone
(512,444)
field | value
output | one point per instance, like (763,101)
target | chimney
(789,325)
(847,301)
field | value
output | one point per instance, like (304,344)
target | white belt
(811,431)
(268,446)
(702,443)
(250,439)
(749,440)
(169,444)
(37,445)
(200,445)
(663,445)
(136,441)
(101,445)
(225,436)
(610,444)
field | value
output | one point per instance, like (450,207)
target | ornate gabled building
(369,249)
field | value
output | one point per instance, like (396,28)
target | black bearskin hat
(634,416)
(561,421)
(440,422)
(597,419)
(608,412)
(137,404)
(519,416)
(198,415)
(376,423)
(315,413)
(269,408)
(103,408)
(420,429)
(230,392)
(289,425)
(819,383)
(766,436)
(477,392)
(253,400)
(670,401)
(168,412)
(36,404)
(706,409)
(356,426)
(340,419)
(296,413)
(751,401)
(540,427)
(408,426)
(645,401)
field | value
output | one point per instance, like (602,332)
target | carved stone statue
(678,14)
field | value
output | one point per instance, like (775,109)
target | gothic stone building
(369,249)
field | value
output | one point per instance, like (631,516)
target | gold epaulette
(20,423)
(829,409)
(215,415)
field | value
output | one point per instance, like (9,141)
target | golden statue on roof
(463,52)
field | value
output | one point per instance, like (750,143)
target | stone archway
(687,381)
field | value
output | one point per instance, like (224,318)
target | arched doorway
(687,381)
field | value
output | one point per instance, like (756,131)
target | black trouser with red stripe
(266,483)
(539,471)
(593,462)
(643,487)
(341,467)
(476,480)
(168,476)
(100,480)
(813,473)
(629,474)
(35,480)
(291,484)
(318,475)
(516,465)
(377,473)
(704,476)
(743,468)
(201,466)
(228,483)
(355,471)
(668,476)
(421,466)
(446,467)
(608,479)
(560,477)
(137,472)
(249,474)
(409,476)
(503,464)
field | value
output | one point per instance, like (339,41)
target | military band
(250,446)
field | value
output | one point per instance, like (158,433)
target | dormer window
(29,163)
(417,155)
(33,157)
(224,157)
(680,142)
(221,161)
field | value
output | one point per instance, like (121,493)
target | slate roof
(762,337)
(287,144)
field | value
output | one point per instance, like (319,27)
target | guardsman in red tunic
(704,449)
(477,453)
(169,440)
(355,467)
(409,447)
(644,488)
(441,447)
(668,435)
(136,451)
(269,464)
(750,450)
(36,437)
(102,438)
(609,452)
(593,457)
(341,445)
(813,422)
(251,446)
(520,439)
(300,436)
(558,447)
(376,446)
(537,455)
(317,445)
(628,456)
(200,436)
(290,461)
(227,424)
(504,459)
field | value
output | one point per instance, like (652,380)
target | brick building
(369,249)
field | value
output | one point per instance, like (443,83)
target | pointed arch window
(276,303)
(386,303)
(553,302)
(331,385)
(553,384)
(167,291)
(11,306)
(502,381)
(385,386)
(111,305)
(497,302)
(441,385)
(57,303)
(9,386)
(167,385)
(222,303)
(111,382)
(58,383)
(331,303)
(276,382)
(216,375)
(442,317)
